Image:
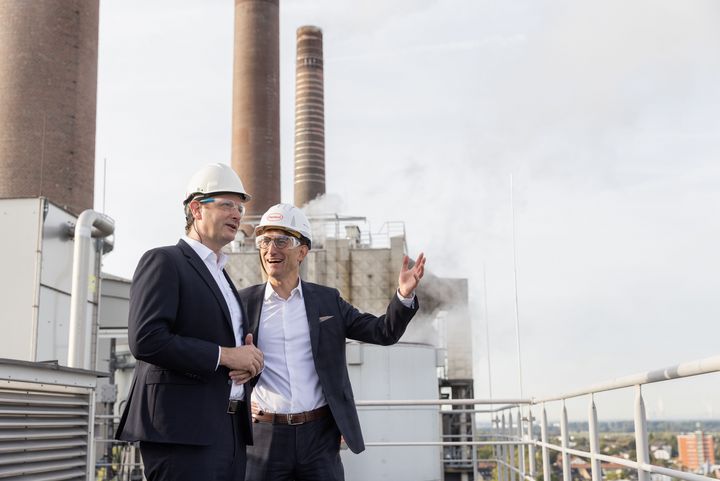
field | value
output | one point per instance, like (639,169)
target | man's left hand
(410,278)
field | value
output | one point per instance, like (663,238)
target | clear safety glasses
(224,204)
(280,241)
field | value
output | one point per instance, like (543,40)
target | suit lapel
(313,315)
(204,273)
(254,307)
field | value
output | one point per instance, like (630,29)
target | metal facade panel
(18,291)
(402,371)
(53,326)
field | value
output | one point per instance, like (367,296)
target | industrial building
(65,366)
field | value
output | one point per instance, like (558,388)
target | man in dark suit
(303,402)
(185,329)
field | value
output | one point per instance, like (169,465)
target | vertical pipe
(564,443)
(256,101)
(594,441)
(79,335)
(641,438)
(531,447)
(544,439)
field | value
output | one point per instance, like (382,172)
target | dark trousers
(222,461)
(305,452)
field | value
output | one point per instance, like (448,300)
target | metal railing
(513,433)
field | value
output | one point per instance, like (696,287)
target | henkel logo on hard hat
(274,217)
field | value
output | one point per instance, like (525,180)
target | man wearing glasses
(303,401)
(188,329)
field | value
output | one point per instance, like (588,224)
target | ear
(195,209)
(303,252)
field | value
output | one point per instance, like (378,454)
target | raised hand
(409,279)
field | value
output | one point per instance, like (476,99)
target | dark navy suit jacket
(178,318)
(327,338)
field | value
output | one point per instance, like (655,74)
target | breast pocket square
(325,318)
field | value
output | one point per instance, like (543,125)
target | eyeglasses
(224,204)
(280,241)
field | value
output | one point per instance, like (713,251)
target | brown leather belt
(291,419)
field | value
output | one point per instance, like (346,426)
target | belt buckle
(233,406)
(290,421)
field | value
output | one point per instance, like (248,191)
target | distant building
(696,451)
(661,454)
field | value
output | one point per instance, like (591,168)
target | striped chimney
(309,116)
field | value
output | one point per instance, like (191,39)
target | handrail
(688,369)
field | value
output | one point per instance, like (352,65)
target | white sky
(605,114)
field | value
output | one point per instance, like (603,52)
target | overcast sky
(605,114)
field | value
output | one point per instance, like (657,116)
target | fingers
(249,340)
(419,266)
(406,261)
(240,376)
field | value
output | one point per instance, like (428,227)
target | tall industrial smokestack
(256,101)
(309,116)
(48,86)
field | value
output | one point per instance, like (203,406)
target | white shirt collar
(269,291)
(205,253)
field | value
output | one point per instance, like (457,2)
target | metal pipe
(78,345)
(443,402)
(687,369)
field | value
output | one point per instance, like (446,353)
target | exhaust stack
(48,90)
(256,101)
(309,116)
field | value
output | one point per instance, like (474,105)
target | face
(217,220)
(282,264)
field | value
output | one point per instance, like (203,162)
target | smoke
(326,204)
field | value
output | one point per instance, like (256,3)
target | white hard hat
(286,217)
(215,179)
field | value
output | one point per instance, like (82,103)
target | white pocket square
(325,318)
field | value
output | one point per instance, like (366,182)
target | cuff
(406,301)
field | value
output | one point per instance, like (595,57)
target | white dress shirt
(289,383)
(215,265)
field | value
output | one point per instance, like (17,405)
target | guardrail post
(521,448)
(564,443)
(511,458)
(531,447)
(504,450)
(641,438)
(544,439)
(595,467)
(474,448)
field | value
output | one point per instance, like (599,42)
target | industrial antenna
(517,313)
